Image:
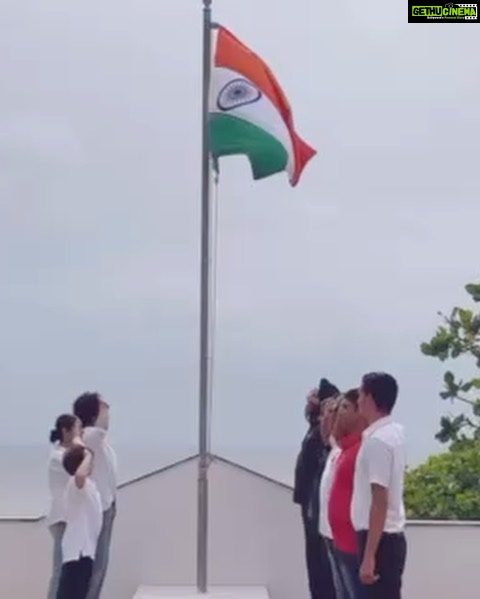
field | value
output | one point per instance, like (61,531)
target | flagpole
(204,382)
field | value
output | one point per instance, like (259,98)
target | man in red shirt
(348,434)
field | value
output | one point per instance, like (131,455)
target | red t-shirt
(344,536)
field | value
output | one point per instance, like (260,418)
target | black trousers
(75,579)
(390,564)
(320,579)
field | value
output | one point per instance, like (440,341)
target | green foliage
(446,486)
(459,336)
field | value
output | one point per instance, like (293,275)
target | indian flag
(249,113)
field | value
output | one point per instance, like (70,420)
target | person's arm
(378,516)
(93,437)
(83,470)
(380,462)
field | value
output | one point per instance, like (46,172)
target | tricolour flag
(249,113)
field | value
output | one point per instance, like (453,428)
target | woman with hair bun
(64,435)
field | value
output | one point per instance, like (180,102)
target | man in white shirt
(328,418)
(93,412)
(378,512)
(83,516)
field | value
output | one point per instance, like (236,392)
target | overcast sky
(99,214)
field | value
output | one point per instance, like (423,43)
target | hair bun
(54,436)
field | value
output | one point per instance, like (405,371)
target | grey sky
(99,214)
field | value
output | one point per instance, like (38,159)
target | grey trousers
(57,530)
(336,572)
(100,564)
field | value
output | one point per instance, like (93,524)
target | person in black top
(308,472)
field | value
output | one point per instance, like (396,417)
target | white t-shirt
(326,483)
(381,460)
(104,472)
(58,478)
(83,511)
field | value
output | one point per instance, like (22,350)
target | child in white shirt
(83,516)
(67,430)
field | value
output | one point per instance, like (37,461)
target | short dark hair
(383,388)
(352,396)
(87,408)
(72,458)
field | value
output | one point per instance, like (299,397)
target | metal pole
(204,383)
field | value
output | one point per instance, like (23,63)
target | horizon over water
(23,469)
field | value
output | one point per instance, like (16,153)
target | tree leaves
(447,486)
(439,346)
(466,317)
(449,378)
(459,337)
(452,429)
(473,290)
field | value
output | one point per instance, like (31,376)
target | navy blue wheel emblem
(236,93)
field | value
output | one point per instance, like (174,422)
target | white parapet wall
(255,539)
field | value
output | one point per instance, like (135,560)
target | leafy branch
(459,336)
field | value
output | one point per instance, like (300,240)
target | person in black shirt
(308,472)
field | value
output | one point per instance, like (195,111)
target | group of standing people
(349,483)
(82,476)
